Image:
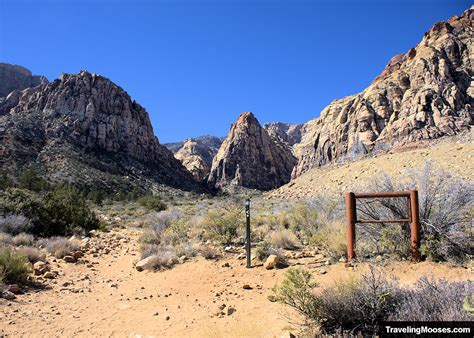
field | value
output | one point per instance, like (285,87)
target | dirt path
(108,297)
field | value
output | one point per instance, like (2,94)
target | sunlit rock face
(250,158)
(424,94)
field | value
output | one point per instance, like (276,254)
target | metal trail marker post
(247,242)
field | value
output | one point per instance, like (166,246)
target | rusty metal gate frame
(413,219)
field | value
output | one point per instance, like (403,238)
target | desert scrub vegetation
(223,224)
(445,214)
(361,305)
(60,247)
(59,212)
(152,203)
(14,266)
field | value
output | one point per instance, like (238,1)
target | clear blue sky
(195,65)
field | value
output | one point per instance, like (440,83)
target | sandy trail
(113,299)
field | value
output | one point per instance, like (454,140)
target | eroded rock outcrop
(83,127)
(250,158)
(424,94)
(288,133)
(13,77)
(196,154)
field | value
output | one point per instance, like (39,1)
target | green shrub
(152,203)
(177,232)
(14,266)
(331,237)
(60,212)
(223,224)
(67,212)
(265,249)
(30,179)
(302,217)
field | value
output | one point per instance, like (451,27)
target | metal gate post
(350,224)
(415,226)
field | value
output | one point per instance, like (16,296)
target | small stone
(77,255)
(230,310)
(226,265)
(8,295)
(49,275)
(167,317)
(156,314)
(222,307)
(343,260)
(379,258)
(271,262)
(272,298)
(146,263)
(69,259)
(14,288)
(246,287)
(322,271)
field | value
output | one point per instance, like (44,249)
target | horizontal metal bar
(383,194)
(385,221)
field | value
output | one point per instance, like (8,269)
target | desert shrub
(265,249)
(32,254)
(15,224)
(13,266)
(23,202)
(149,236)
(431,300)
(164,257)
(67,212)
(186,249)
(152,203)
(157,224)
(61,212)
(223,224)
(208,252)
(352,305)
(177,232)
(60,246)
(331,237)
(283,239)
(393,239)
(445,212)
(23,239)
(5,239)
(302,217)
(31,180)
(296,290)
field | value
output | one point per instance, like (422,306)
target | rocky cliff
(288,133)
(424,94)
(250,158)
(196,154)
(13,77)
(83,127)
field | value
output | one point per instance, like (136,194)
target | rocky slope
(426,93)
(288,133)
(13,77)
(82,127)
(196,155)
(250,158)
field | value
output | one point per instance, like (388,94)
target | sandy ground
(111,298)
(456,157)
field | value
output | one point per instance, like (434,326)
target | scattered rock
(226,265)
(343,260)
(271,262)
(40,268)
(49,275)
(246,287)
(8,295)
(379,258)
(14,288)
(146,263)
(230,310)
(322,271)
(272,298)
(69,259)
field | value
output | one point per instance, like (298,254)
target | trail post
(247,242)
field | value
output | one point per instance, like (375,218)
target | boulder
(271,262)
(146,263)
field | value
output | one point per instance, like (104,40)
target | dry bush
(208,252)
(5,239)
(15,224)
(331,237)
(14,267)
(23,239)
(32,254)
(164,256)
(223,224)
(283,239)
(60,246)
(431,300)
(445,212)
(187,249)
(264,250)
